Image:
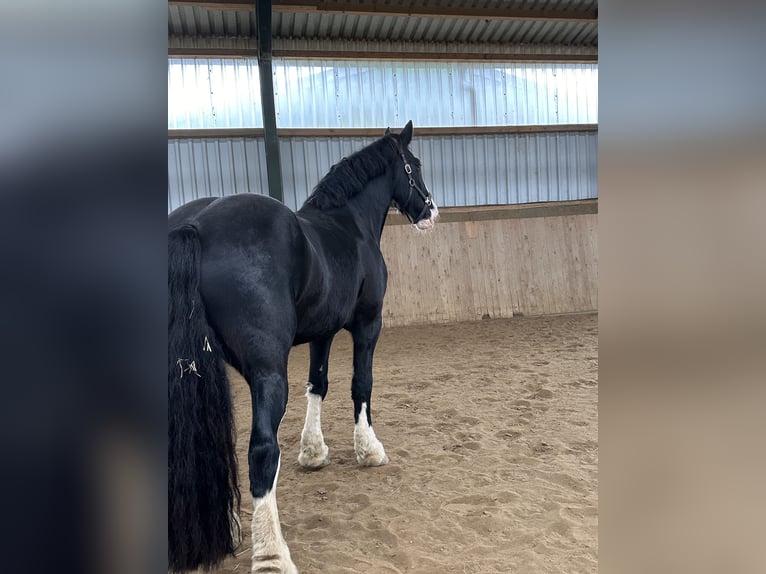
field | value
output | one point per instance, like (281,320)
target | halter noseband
(424,195)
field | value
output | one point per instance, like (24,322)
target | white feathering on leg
(369,450)
(270,551)
(314,451)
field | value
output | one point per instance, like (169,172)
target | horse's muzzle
(428,224)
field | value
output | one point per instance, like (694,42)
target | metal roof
(196,21)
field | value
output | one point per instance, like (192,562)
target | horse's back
(240,217)
(188,211)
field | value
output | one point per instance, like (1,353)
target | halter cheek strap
(424,195)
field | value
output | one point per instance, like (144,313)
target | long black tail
(202,467)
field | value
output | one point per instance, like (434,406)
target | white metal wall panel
(510,169)
(459,170)
(306,160)
(214,93)
(214,167)
(336,94)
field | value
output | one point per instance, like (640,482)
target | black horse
(247,280)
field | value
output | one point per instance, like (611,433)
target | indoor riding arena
(486,370)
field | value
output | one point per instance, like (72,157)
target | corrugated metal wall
(215,93)
(215,167)
(459,170)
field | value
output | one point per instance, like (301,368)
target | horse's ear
(388,132)
(406,135)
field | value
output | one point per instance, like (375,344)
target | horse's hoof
(373,462)
(314,463)
(273,564)
(310,460)
(377,459)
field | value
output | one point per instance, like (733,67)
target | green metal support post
(273,162)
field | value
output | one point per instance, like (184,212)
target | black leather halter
(424,195)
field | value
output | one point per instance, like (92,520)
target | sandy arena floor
(491,428)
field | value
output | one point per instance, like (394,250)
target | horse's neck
(371,205)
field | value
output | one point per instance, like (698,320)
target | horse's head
(411,195)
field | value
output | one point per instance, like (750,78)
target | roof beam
(380,9)
(377,132)
(437,56)
(398,56)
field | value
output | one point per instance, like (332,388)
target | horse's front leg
(369,450)
(314,452)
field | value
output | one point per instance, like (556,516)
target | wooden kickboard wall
(491,268)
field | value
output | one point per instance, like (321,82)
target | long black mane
(349,176)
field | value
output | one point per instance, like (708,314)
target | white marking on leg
(270,551)
(369,450)
(314,451)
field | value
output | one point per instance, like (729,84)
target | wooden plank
(490,271)
(560,247)
(449,236)
(521,211)
(440,131)
(459,267)
(534,265)
(485,270)
(548,253)
(223,53)
(422,56)
(381,9)
(437,56)
(590,225)
(215,133)
(226,5)
(543,270)
(582,261)
(201,133)
(504,271)
(474,277)
(428,248)
(443,275)
(564,250)
(521,256)
(391,302)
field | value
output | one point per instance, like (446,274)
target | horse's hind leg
(314,451)
(268,388)
(369,450)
